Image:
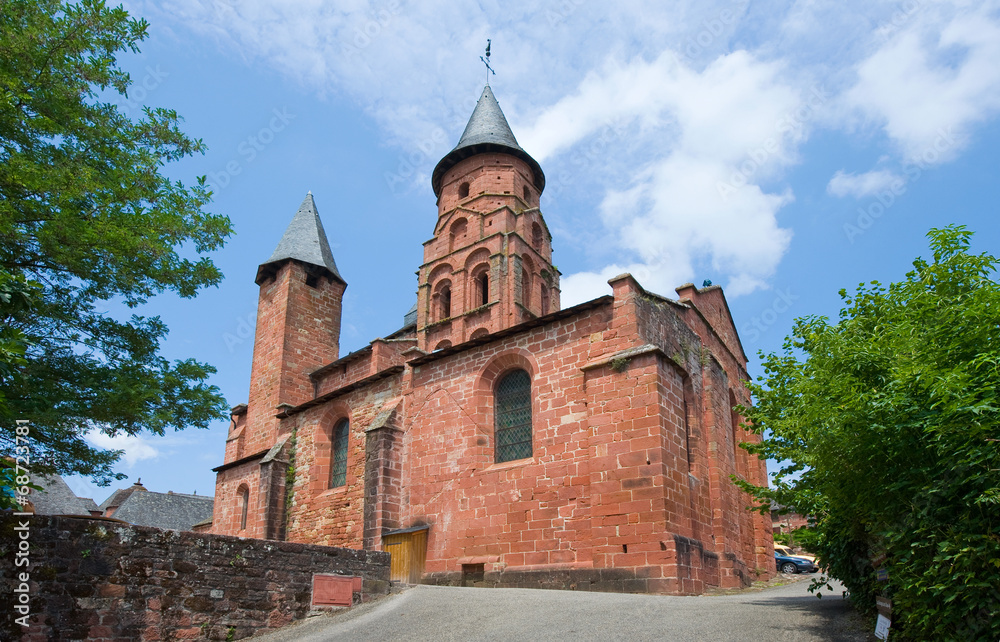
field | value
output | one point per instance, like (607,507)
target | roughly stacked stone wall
(101,580)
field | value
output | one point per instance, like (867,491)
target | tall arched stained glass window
(338,463)
(512,413)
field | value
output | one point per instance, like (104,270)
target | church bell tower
(489,265)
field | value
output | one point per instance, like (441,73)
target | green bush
(887,424)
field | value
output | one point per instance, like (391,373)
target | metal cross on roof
(486,61)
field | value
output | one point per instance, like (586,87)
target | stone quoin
(497,439)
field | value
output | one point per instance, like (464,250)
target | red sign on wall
(334,590)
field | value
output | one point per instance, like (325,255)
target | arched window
(545,300)
(244,495)
(338,460)
(483,288)
(527,195)
(463,190)
(526,268)
(512,416)
(445,302)
(536,236)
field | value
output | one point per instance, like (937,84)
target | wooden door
(409,552)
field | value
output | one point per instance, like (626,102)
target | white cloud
(862,185)
(679,119)
(719,133)
(136,448)
(934,78)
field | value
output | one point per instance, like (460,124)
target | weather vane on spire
(486,61)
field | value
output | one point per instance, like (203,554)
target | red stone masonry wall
(494,226)
(298,331)
(320,514)
(228,509)
(628,485)
(523,514)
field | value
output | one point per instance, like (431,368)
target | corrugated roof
(486,131)
(304,240)
(175,511)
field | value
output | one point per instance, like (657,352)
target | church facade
(496,438)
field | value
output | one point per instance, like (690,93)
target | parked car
(793,564)
(788,552)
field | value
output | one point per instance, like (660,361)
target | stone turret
(298,323)
(489,265)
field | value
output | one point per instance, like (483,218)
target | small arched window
(545,300)
(338,459)
(244,495)
(483,288)
(445,302)
(536,236)
(463,190)
(512,417)
(527,195)
(526,268)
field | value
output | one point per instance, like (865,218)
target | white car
(784,550)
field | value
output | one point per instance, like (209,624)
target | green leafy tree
(88,220)
(888,426)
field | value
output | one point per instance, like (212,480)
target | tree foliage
(888,426)
(88,221)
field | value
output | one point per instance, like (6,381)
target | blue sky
(784,150)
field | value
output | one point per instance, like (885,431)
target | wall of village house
(318,513)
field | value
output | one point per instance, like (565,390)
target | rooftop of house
(57,498)
(176,511)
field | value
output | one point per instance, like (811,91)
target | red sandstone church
(496,438)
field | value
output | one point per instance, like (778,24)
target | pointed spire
(304,240)
(486,131)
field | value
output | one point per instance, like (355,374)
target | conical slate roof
(305,241)
(487,131)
